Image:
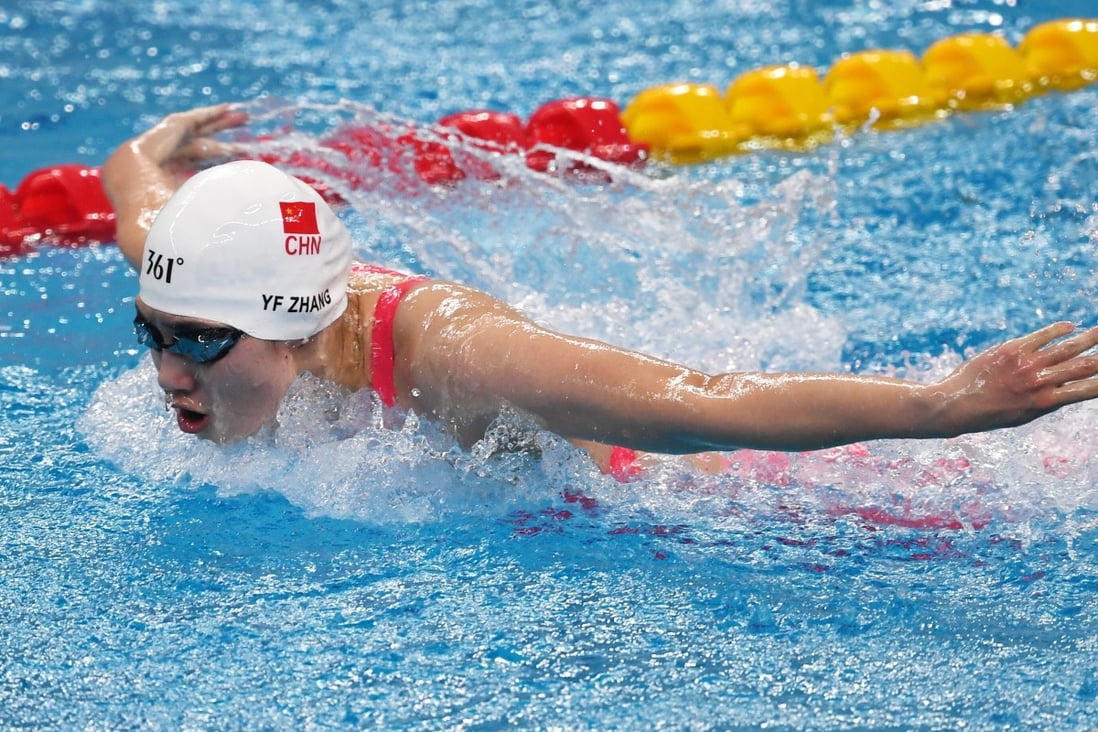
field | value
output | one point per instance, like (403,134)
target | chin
(241,433)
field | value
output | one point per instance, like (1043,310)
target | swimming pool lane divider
(789,106)
(776,107)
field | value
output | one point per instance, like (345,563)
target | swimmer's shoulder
(365,278)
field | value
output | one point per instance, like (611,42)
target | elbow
(118,172)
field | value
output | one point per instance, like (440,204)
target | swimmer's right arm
(142,174)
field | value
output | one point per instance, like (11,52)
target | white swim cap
(249,246)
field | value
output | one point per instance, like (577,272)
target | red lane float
(587,125)
(786,106)
(592,126)
(66,204)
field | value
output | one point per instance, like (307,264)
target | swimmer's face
(225,399)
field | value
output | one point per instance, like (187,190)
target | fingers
(1083,342)
(220,117)
(1062,366)
(1077,391)
(205,149)
(206,121)
(1076,369)
(183,136)
(1069,348)
(1040,338)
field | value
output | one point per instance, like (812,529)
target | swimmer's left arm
(667,408)
(472,354)
(482,355)
(142,174)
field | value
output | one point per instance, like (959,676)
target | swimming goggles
(201,345)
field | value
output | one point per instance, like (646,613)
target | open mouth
(190,421)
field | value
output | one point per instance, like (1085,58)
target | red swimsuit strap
(383,359)
(382,349)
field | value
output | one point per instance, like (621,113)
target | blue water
(337,575)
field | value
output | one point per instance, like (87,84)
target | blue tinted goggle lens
(201,346)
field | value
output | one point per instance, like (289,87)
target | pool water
(337,574)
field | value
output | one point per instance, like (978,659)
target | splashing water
(642,258)
(707,274)
(353,569)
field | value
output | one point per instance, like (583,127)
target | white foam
(340,454)
(332,453)
(713,274)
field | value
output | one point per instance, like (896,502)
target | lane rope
(775,107)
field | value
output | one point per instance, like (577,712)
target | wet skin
(230,398)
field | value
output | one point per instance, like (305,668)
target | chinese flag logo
(299,217)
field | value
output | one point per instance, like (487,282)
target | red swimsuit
(382,352)
(383,358)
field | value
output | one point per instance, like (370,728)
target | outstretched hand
(1020,380)
(184,138)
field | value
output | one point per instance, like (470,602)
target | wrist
(938,412)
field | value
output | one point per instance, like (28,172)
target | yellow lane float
(779,103)
(789,106)
(887,87)
(687,121)
(1063,54)
(978,71)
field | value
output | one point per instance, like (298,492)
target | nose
(174,372)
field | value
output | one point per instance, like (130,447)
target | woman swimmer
(246,281)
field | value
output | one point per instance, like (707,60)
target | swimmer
(247,281)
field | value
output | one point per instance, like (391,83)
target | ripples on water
(716,275)
(332,573)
